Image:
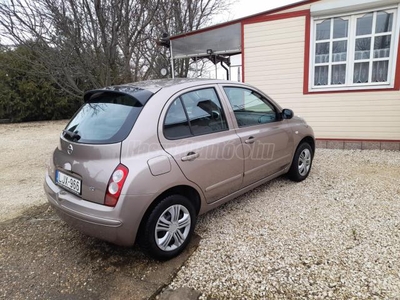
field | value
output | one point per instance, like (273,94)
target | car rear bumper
(117,225)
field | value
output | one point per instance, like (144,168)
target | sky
(242,8)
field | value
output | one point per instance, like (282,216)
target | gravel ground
(25,149)
(42,258)
(335,235)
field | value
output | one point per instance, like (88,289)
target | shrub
(27,93)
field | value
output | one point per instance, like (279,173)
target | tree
(85,44)
(88,43)
(28,94)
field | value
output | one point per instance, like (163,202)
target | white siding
(274,62)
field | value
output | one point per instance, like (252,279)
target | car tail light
(115,185)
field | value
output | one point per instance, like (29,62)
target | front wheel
(302,162)
(169,227)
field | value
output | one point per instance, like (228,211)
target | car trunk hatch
(91,164)
(90,146)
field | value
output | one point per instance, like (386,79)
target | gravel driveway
(335,235)
(25,149)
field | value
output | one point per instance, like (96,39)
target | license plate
(71,183)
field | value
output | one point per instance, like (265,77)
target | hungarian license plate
(71,183)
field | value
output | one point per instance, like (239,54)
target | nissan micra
(139,162)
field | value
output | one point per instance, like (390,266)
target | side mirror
(287,114)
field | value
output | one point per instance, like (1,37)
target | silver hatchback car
(139,162)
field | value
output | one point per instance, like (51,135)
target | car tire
(302,162)
(169,228)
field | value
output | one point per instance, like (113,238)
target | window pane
(324,30)
(321,53)
(339,50)
(321,75)
(338,74)
(204,111)
(384,22)
(380,71)
(340,28)
(176,125)
(254,110)
(363,49)
(382,46)
(361,71)
(364,25)
(108,117)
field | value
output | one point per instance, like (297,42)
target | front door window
(250,107)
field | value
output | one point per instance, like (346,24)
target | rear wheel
(302,162)
(169,227)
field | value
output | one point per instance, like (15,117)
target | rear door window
(176,124)
(195,113)
(107,118)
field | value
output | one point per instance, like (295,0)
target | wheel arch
(310,140)
(184,190)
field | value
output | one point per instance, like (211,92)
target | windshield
(107,118)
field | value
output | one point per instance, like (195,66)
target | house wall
(273,60)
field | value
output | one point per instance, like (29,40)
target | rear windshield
(107,118)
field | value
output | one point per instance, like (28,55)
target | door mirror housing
(287,114)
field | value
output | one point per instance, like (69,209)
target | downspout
(226,69)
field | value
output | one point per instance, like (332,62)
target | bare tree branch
(92,43)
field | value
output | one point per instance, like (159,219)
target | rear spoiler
(139,94)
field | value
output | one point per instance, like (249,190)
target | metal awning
(223,40)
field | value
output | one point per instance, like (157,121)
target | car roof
(157,84)
(143,90)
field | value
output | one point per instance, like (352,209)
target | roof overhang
(324,8)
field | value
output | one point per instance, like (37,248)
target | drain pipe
(226,69)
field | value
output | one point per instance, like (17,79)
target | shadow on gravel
(43,258)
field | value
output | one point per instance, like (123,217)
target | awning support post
(197,68)
(172,61)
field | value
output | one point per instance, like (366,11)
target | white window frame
(349,85)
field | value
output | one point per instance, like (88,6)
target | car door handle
(250,140)
(190,156)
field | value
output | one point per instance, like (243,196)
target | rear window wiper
(72,136)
